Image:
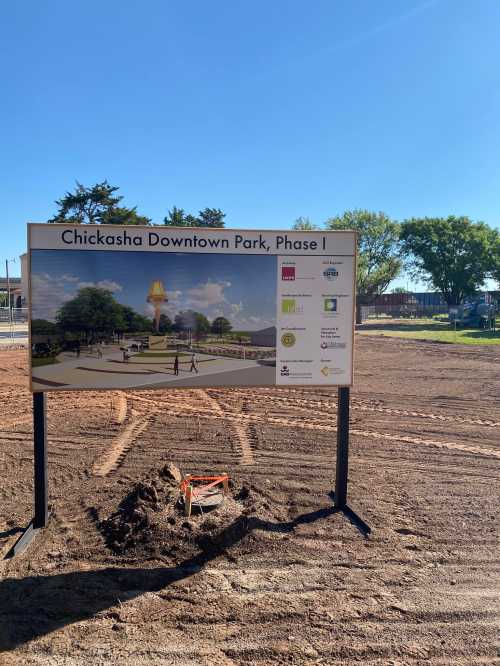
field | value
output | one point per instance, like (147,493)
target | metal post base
(24,541)
(352,517)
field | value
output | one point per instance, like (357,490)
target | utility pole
(8,292)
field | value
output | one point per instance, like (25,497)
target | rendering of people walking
(193,363)
(176,365)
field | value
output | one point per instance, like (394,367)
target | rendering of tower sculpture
(156,296)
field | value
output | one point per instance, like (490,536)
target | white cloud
(110,285)
(48,294)
(206,295)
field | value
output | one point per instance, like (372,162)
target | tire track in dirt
(191,402)
(112,458)
(120,408)
(291,423)
(242,430)
(361,405)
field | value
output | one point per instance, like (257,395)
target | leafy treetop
(379,260)
(95,205)
(209,218)
(453,254)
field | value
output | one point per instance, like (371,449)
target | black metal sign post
(342,468)
(340,499)
(41,517)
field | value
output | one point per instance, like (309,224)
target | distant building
(16,293)
(264,338)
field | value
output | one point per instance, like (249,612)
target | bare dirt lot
(277,576)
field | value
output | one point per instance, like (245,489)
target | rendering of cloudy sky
(241,288)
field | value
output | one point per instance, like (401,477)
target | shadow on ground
(37,605)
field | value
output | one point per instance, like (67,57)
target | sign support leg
(340,500)
(340,494)
(41,517)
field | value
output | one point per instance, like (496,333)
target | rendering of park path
(87,371)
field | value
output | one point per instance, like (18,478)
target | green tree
(92,312)
(165,324)
(495,257)
(452,254)
(189,320)
(133,321)
(399,290)
(221,326)
(43,327)
(379,260)
(175,218)
(211,218)
(208,218)
(95,205)
(121,215)
(304,224)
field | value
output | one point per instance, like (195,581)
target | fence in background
(402,311)
(18,315)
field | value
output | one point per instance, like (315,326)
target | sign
(116,307)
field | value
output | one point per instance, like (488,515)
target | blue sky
(268,110)
(239,287)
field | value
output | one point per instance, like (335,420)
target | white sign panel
(153,307)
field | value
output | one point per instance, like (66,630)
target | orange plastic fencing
(200,489)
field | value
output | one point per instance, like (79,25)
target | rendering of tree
(95,205)
(191,321)
(452,254)
(134,322)
(379,260)
(165,324)
(221,326)
(208,218)
(43,327)
(93,312)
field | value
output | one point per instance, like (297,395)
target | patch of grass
(165,354)
(46,360)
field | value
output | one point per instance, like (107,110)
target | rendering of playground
(151,335)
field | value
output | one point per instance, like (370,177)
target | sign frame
(348,235)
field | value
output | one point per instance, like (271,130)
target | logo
(285,371)
(289,306)
(288,273)
(325,371)
(330,273)
(288,339)
(330,305)
(332,345)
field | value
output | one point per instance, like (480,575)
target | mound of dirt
(150,522)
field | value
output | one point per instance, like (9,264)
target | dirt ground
(278,576)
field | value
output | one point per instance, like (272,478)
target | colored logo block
(330,305)
(288,273)
(288,339)
(288,306)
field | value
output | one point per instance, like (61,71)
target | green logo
(288,339)
(288,305)
(330,305)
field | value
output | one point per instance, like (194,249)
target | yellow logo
(325,371)
(288,339)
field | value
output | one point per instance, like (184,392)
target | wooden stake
(188,499)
